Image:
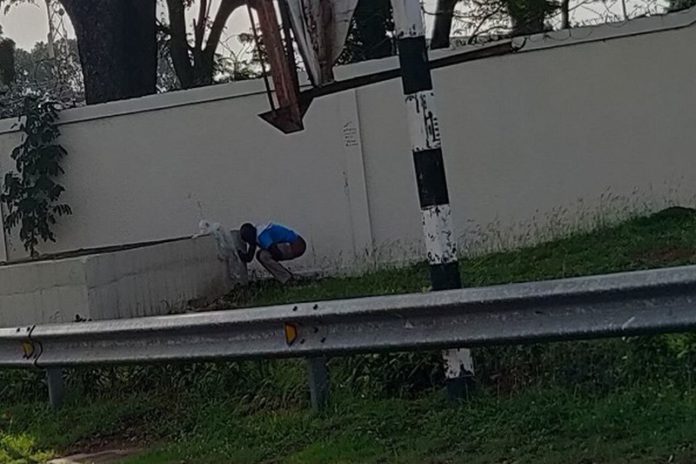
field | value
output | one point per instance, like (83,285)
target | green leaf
(31,194)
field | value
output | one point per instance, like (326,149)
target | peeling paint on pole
(458,363)
(408,19)
(424,127)
(440,243)
(426,146)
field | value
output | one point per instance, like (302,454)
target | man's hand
(246,257)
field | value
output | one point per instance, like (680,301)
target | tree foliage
(677,5)
(236,64)
(371,32)
(495,18)
(194,56)
(125,52)
(117,46)
(59,78)
(38,73)
(529,16)
(31,194)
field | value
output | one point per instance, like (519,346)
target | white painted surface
(424,128)
(408,18)
(41,292)
(145,281)
(153,175)
(539,143)
(355,182)
(458,363)
(600,123)
(440,240)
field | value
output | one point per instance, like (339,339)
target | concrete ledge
(147,281)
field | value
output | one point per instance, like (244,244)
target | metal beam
(479,53)
(275,116)
(646,302)
(56,387)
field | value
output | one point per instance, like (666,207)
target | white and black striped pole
(426,144)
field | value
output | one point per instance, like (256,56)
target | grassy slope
(664,239)
(610,401)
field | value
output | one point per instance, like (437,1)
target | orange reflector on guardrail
(28,348)
(290,333)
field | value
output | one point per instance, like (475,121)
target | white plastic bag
(229,244)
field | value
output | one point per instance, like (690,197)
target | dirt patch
(103,457)
(665,256)
(131,435)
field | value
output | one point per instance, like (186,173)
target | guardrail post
(426,147)
(56,386)
(318,383)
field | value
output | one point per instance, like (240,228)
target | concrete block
(137,282)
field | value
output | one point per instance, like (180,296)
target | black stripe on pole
(445,276)
(429,165)
(415,71)
(430,174)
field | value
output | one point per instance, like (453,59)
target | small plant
(31,194)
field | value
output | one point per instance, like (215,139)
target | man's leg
(274,267)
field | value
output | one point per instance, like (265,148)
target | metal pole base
(56,387)
(459,373)
(318,383)
(460,388)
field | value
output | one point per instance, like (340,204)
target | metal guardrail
(645,302)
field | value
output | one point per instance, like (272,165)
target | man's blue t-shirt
(273,234)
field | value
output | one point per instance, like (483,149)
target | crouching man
(276,243)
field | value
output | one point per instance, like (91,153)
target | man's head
(248,233)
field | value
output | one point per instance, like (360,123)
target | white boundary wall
(580,123)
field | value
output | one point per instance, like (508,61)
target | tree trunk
(7,61)
(443,24)
(528,16)
(372,22)
(118,47)
(203,70)
(178,45)
(565,14)
(195,65)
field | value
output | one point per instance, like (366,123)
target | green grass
(547,426)
(664,239)
(641,424)
(612,401)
